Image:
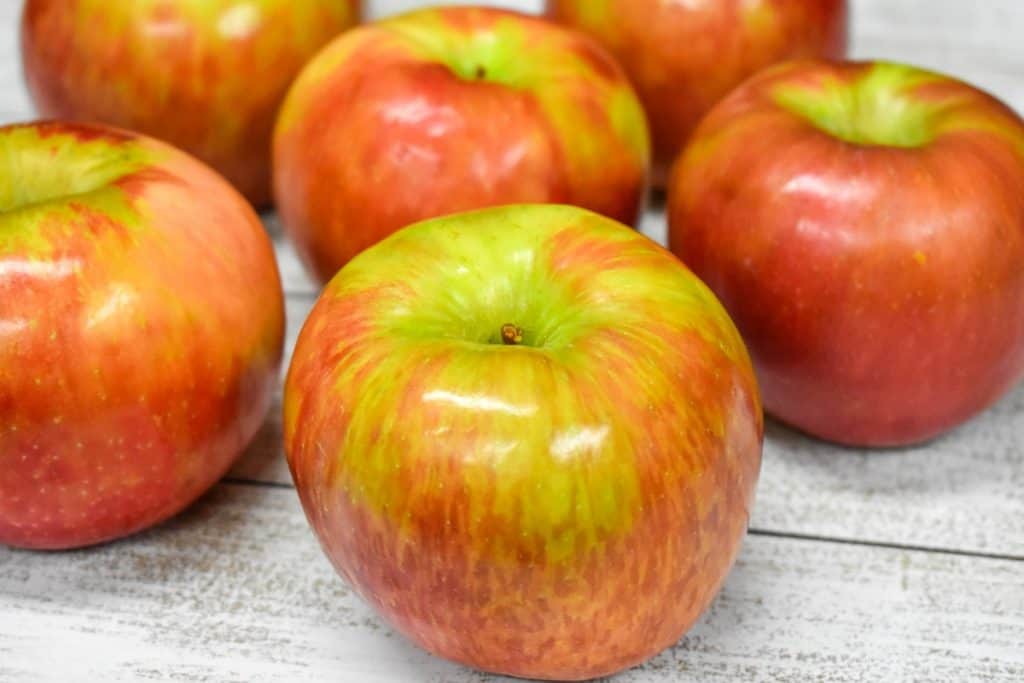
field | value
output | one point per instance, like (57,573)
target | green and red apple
(451,109)
(864,225)
(685,55)
(207,76)
(528,436)
(141,323)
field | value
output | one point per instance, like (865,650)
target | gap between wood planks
(753,531)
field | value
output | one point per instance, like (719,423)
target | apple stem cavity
(511,335)
(873,106)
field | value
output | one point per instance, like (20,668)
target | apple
(141,325)
(450,109)
(684,56)
(205,75)
(528,436)
(864,225)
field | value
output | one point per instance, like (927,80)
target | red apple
(864,224)
(685,55)
(444,110)
(205,75)
(140,332)
(528,436)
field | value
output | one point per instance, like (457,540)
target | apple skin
(450,109)
(684,57)
(141,326)
(864,225)
(563,508)
(204,75)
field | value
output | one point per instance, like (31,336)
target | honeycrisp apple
(528,436)
(140,332)
(443,110)
(864,224)
(205,75)
(685,55)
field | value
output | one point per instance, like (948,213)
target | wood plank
(237,589)
(14,102)
(980,45)
(964,491)
(991,28)
(294,277)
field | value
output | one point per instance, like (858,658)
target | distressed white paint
(236,588)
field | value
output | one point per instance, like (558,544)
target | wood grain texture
(237,590)
(980,42)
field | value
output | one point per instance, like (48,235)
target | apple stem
(481,72)
(511,335)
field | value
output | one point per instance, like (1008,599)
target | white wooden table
(898,565)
